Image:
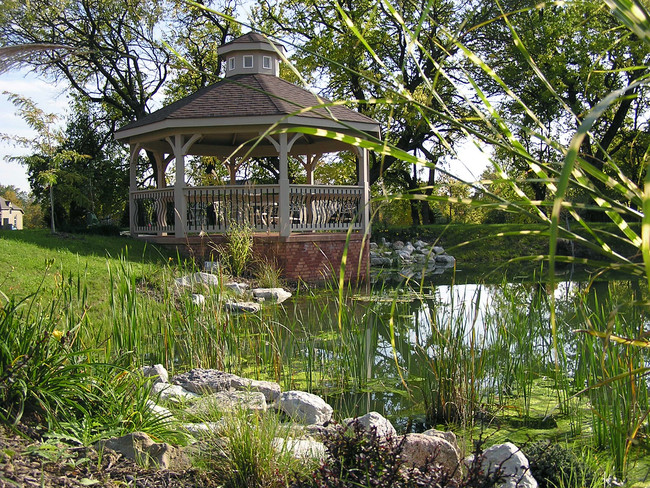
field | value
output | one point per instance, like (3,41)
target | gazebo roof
(237,109)
(255,95)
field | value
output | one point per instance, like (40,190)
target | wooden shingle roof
(253,95)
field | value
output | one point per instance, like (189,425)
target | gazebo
(253,113)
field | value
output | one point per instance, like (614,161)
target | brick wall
(317,257)
(312,258)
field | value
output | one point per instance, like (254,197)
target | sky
(52,99)
(47,97)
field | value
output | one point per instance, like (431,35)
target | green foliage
(237,252)
(268,274)
(251,457)
(360,458)
(556,466)
(41,368)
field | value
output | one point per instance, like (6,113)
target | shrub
(249,457)
(268,274)
(358,458)
(238,249)
(554,465)
(40,368)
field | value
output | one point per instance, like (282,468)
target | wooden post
(133,186)
(363,182)
(285,223)
(180,206)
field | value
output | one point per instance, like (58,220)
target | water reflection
(414,353)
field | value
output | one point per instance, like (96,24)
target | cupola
(250,54)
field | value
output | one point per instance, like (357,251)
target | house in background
(11,216)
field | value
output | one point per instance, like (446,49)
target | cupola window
(266,62)
(231,64)
(248,62)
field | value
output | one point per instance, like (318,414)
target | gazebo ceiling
(238,109)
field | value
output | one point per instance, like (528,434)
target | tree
(112,52)
(581,55)
(48,153)
(405,69)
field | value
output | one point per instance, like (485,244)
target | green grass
(25,254)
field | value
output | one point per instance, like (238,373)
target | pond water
(422,354)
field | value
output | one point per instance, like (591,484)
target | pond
(482,356)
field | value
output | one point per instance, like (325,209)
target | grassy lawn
(33,258)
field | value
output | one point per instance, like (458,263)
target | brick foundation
(312,258)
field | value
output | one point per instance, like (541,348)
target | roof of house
(250,95)
(6,205)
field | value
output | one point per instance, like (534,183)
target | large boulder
(139,447)
(448,435)
(204,380)
(228,401)
(199,278)
(304,407)
(172,393)
(376,421)
(275,295)
(508,463)
(417,449)
(269,389)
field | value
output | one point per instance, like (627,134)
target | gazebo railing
(325,208)
(214,209)
(153,211)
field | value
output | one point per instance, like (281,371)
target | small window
(231,64)
(248,61)
(266,62)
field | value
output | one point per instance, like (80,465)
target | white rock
(161,412)
(211,266)
(510,463)
(397,245)
(198,299)
(198,278)
(156,371)
(246,307)
(269,389)
(238,288)
(420,244)
(203,429)
(438,250)
(449,436)
(170,392)
(228,401)
(373,245)
(375,420)
(300,448)
(404,255)
(418,448)
(277,295)
(409,247)
(304,407)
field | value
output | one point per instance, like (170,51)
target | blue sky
(47,97)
